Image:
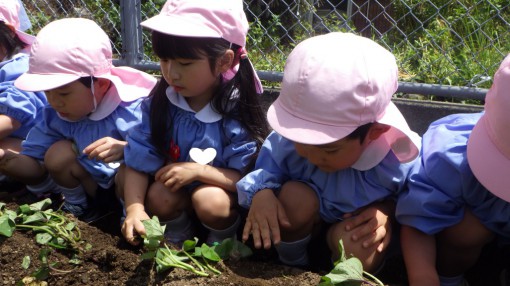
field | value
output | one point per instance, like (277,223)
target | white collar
(373,154)
(108,104)
(206,114)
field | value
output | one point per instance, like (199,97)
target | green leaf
(41,205)
(43,255)
(209,253)
(70,226)
(189,245)
(347,271)
(148,255)
(154,233)
(26,262)
(231,248)
(7,225)
(42,273)
(43,238)
(25,209)
(33,218)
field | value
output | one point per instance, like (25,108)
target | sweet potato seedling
(191,257)
(348,272)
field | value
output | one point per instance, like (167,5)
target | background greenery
(448,42)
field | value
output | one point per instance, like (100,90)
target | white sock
(294,253)
(75,196)
(217,235)
(47,186)
(178,230)
(451,281)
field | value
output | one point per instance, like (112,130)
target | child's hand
(133,225)
(372,225)
(264,219)
(106,149)
(177,175)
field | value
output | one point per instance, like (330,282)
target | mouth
(178,88)
(63,114)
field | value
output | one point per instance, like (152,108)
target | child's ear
(225,62)
(376,130)
(102,85)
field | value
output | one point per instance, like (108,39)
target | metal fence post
(131,32)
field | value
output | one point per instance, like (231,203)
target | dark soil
(112,261)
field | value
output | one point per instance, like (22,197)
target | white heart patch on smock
(202,157)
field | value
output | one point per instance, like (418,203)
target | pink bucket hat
(488,148)
(204,18)
(68,49)
(334,83)
(10,13)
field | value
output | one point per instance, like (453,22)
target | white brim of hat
(403,141)
(179,26)
(487,163)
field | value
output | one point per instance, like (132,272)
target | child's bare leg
(172,210)
(21,167)
(164,204)
(369,257)
(62,165)
(301,205)
(215,209)
(459,246)
(214,206)
(11,144)
(370,229)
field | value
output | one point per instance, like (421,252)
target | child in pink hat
(202,125)
(459,192)
(18,109)
(92,105)
(339,154)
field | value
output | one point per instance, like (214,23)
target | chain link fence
(444,48)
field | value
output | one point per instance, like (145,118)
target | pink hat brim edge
(305,132)
(131,84)
(487,163)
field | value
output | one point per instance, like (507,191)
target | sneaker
(87,215)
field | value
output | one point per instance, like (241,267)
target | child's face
(334,156)
(191,78)
(72,101)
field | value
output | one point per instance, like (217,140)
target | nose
(171,71)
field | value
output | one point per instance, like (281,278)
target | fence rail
(444,48)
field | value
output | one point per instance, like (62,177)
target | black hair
(360,133)
(10,40)
(247,106)
(87,80)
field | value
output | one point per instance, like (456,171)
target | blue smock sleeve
(434,198)
(267,173)
(41,136)
(239,148)
(22,106)
(140,154)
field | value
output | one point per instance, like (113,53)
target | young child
(202,125)
(338,153)
(92,105)
(18,109)
(458,197)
